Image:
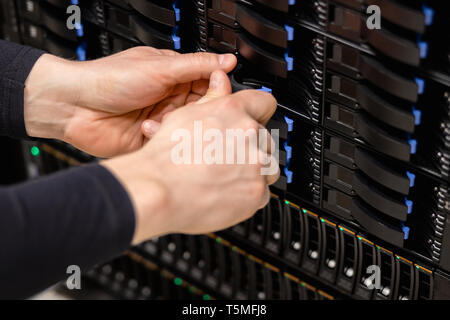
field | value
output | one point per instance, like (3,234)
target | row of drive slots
(394,202)
(43,25)
(379,103)
(156,23)
(132,277)
(398,204)
(261,34)
(336,254)
(226,269)
(384,197)
(409,33)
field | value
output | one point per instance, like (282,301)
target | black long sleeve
(79,217)
(16,62)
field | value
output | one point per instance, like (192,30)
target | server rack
(363,118)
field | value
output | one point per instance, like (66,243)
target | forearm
(80,217)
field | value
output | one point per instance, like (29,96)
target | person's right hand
(197,198)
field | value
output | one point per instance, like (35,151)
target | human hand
(198,198)
(101,106)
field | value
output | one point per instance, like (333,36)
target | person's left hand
(111,106)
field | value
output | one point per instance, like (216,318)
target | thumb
(219,86)
(197,66)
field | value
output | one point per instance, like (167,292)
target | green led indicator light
(340,228)
(322,220)
(304,211)
(303,284)
(397,257)
(417,267)
(178,281)
(234,249)
(218,240)
(285,201)
(35,151)
(359,238)
(378,248)
(206,297)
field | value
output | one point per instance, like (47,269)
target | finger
(270,167)
(167,52)
(200,87)
(273,178)
(200,65)
(165,116)
(266,198)
(150,128)
(266,141)
(259,105)
(161,109)
(219,86)
(193,98)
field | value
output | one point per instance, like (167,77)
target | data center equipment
(364,120)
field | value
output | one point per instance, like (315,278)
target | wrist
(51,93)
(147,192)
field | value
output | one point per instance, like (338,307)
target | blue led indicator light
(290,124)
(265,89)
(413,145)
(420,84)
(412,178)
(289,175)
(177,11)
(417,116)
(176,39)
(80,29)
(423,47)
(288,150)
(289,60)
(429,15)
(81,52)
(290,32)
(405,231)
(176,42)
(409,204)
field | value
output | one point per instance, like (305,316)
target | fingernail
(215,81)
(151,127)
(225,59)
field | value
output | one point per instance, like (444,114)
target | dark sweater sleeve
(80,217)
(16,62)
